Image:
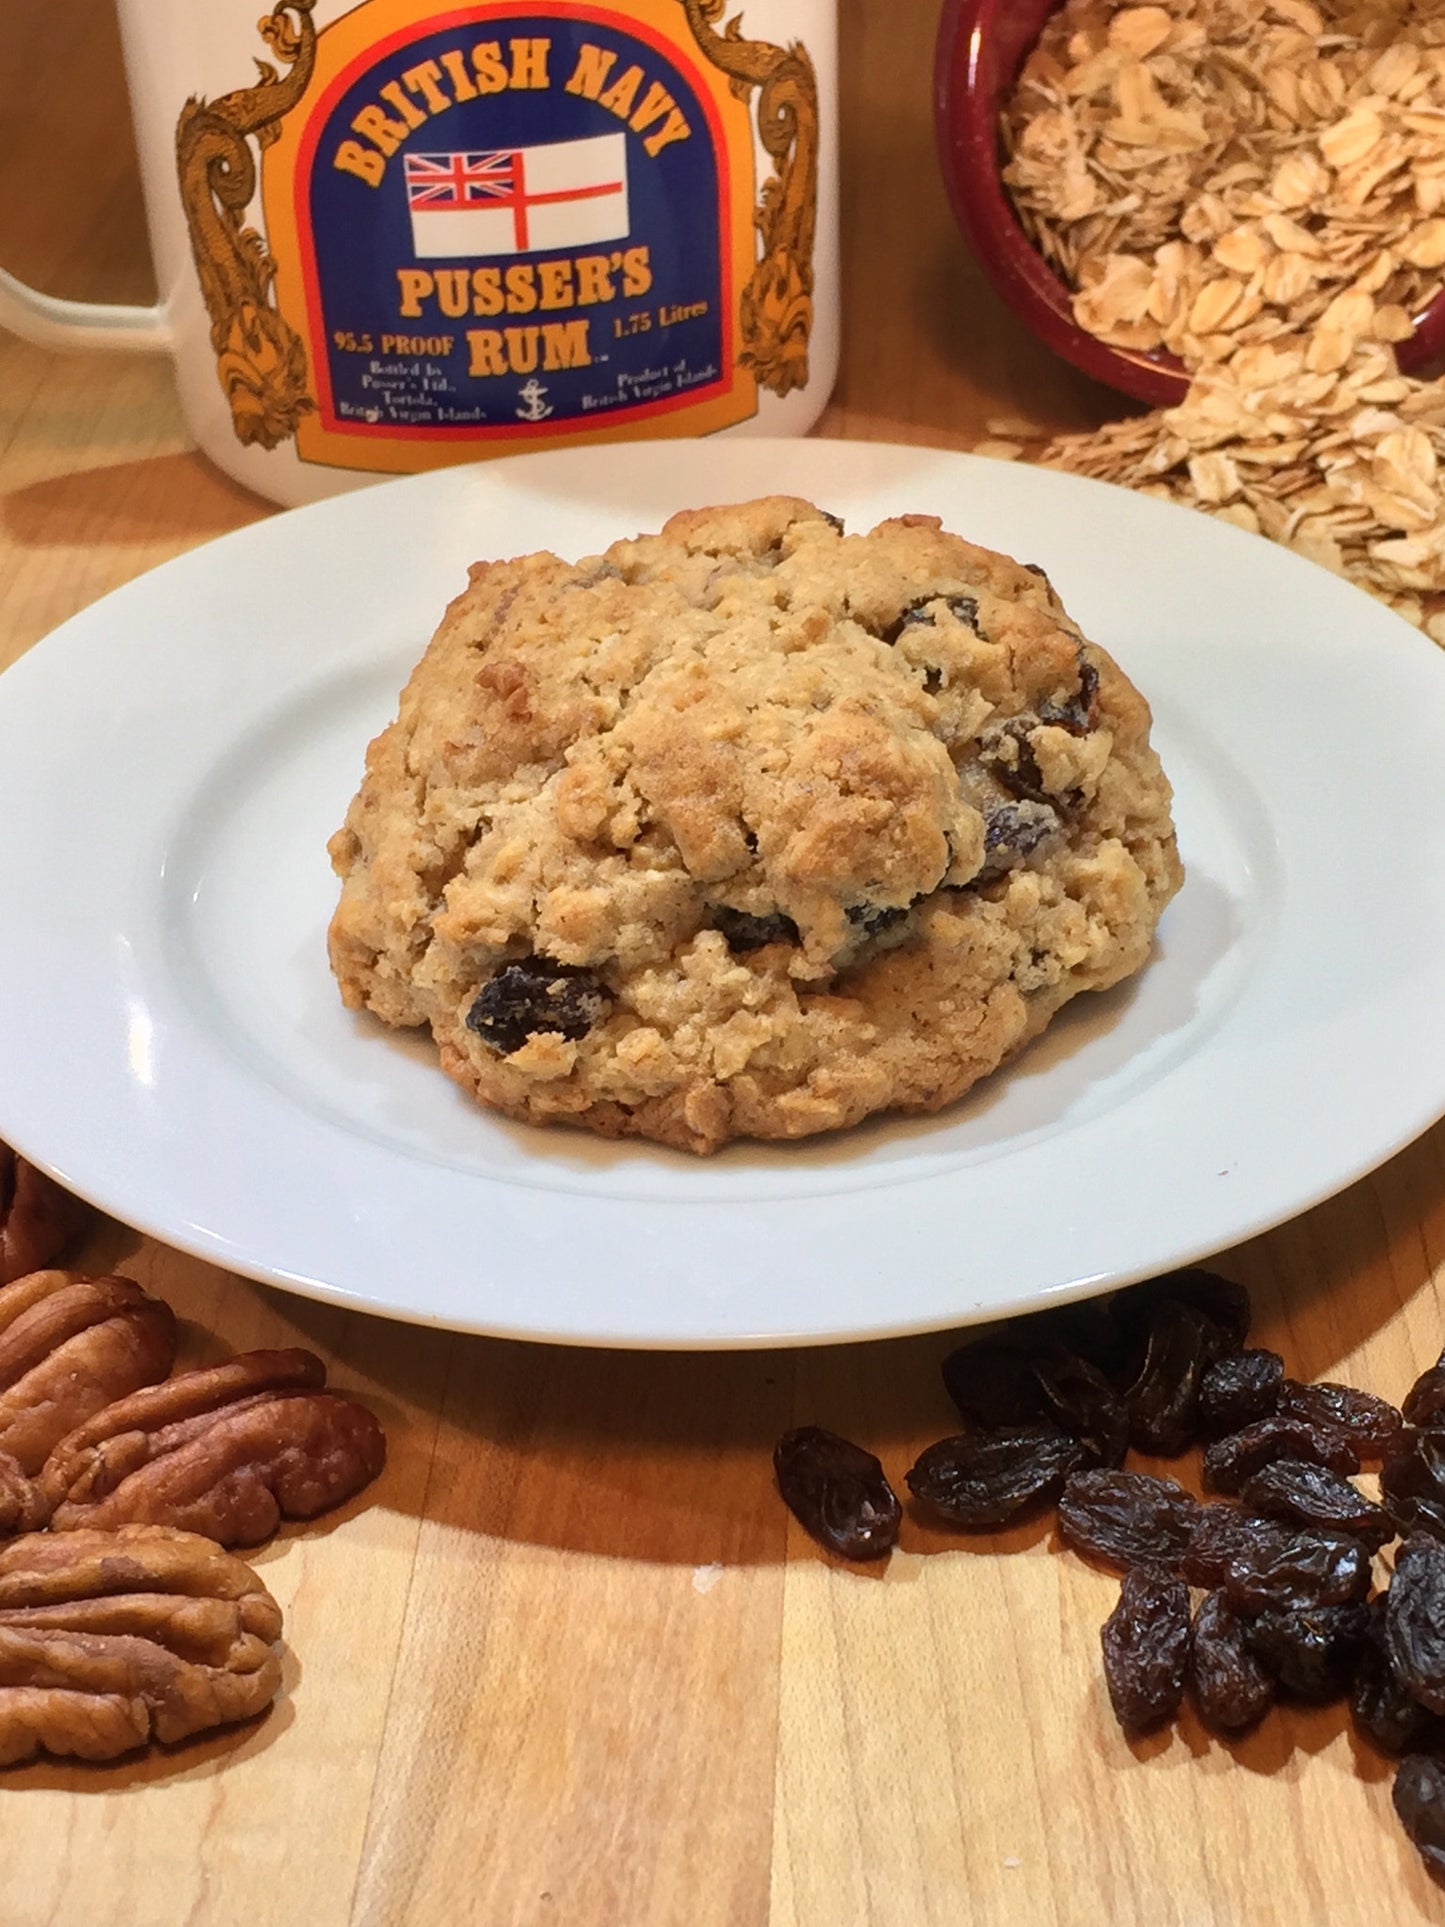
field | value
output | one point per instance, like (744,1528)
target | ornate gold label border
(260,359)
(776,305)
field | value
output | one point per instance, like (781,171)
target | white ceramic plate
(172,1046)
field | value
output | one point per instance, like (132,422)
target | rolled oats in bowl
(1258,190)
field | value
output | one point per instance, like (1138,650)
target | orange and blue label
(517,224)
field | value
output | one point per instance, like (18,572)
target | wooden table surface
(570,1660)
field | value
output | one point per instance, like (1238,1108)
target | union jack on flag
(562,194)
(457,180)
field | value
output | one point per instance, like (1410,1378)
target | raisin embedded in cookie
(750,828)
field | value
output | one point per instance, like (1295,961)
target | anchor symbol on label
(533,408)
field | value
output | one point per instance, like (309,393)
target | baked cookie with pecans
(750,828)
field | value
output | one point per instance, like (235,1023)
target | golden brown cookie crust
(785,826)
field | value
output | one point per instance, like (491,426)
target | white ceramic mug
(391,234)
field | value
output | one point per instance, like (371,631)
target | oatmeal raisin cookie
(750,828)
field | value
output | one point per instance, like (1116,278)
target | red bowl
(981,46)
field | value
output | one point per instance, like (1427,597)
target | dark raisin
(873,919)
(1006,751)
(1229,1462)
(1127,1518)
(1238,1389)
(1006,1381)
(1163,1401)
(1088,1330)
(836,520)
(535,995)
(1171,1329)
(1425,1400)
(1415,1621)
(1077,1396)
(1146,1649)
(1077,714)
(1231,1688)
(744,931)
(1013,831)
(838,1492)
(1301,1569)
(980,1480)
(1372,1424)
(932,681)
(1412,1483)
(1308,1495)
(1419,1797)
(1223,1304)
(1220,1533)
(964,607)
(992,1383)
(1311,1650)
(1383,1707)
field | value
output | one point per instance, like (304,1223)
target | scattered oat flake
(704,1578)
(1015,428)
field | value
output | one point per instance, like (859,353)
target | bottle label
(499,226)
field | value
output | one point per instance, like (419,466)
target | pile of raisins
(1260,1594)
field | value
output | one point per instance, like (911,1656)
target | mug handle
(49,322)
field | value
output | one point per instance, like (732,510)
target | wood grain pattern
(570,1661)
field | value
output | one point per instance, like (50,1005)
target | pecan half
(37,1219)
(228,1451)
(70,1344)
(110,1639)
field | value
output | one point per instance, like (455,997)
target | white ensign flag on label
(520,200)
